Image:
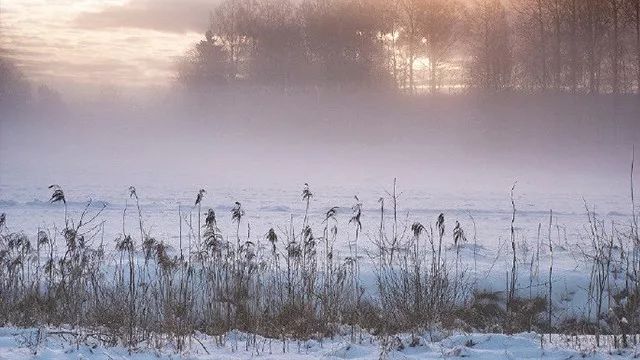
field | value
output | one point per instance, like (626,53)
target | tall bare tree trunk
(615,43)
(543,45)
(557,45)
(487,43)
(412,50)
(591,41)
(394,57)
(573,52)
(637,25)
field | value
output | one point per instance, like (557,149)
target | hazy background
(237,93)
(548,144)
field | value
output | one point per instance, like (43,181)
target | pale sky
(95,43)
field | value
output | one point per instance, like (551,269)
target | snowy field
(28,209)
(485,218)
(70,344)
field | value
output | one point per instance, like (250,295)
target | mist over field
(462,143)
(442,94)
(449,142)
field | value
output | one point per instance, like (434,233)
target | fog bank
(448,143)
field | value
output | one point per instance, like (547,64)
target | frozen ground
(28,210)
(67,344)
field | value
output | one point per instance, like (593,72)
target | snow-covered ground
(51,343)
(28,209)
(484,217)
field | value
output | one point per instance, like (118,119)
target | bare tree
(593,27)
(440,23)
(230,27)
(531,28)
(573,45)
(343,42)
(633,12)
(614,14)
(206,65)
(410,11)
(489,41)
(555,9)
(278,55)
(390,24)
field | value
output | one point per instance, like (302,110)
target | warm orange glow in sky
(120,43)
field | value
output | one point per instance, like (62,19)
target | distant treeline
(16,90)
(574,46)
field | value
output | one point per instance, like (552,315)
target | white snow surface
(50,343)
(485,218)
(27,210)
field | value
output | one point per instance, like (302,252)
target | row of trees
(578,46)
(17,90)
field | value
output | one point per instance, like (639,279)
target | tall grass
(292,282)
